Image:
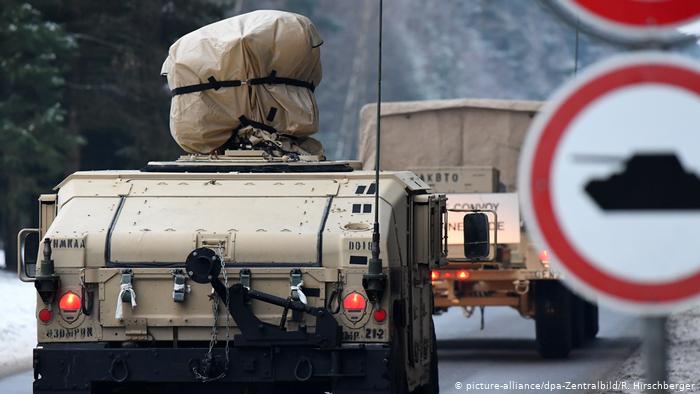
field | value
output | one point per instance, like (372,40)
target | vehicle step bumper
(96,367)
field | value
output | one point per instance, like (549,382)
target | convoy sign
(609,181)
(507,216)
(636,20)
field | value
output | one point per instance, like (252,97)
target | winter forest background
(80,86)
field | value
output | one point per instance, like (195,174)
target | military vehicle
(127,258)
(469,150)
(254,268)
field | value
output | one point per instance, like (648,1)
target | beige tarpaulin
(205,67)
(442,133)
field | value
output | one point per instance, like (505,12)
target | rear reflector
(69,302)
(45,315)
(354,302)
(380,315)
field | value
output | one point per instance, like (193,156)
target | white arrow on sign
(610,182)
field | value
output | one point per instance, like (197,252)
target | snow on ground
(17,323)
(684,355)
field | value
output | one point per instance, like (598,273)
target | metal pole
(377,158)
(375,264)
(656,351)
(374,281)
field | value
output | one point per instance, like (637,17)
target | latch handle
(179,286)
(126,294)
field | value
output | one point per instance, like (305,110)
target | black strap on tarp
(214,84)
(262,126)
(273,79)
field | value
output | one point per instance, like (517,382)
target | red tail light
(434,275)
(380,315)
(447,275)
(544,256)
(45,315)
(69,302)
(354,302)
(463,275)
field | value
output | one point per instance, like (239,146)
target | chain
(209,358)
(228,313)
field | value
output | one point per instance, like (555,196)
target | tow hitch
(203,266)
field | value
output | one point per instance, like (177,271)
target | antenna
(374,281)
(375,234)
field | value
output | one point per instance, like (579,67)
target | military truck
(469,149)
(136,269)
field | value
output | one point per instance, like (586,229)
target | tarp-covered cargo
(448,133)
(252,75)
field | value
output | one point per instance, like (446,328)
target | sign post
(609,179)
(656,350)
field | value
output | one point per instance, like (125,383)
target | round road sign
(633,20)
(609,181)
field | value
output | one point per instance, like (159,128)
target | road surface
(503,352)
(506,351)
(20,383)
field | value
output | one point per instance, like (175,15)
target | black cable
(375,233)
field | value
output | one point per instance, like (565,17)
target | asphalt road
(504,351)
(20,383)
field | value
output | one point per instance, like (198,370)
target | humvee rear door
(150,231)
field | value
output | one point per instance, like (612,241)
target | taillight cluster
(459,275)
(69,305)
(355,303)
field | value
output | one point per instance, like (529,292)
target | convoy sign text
(504,204)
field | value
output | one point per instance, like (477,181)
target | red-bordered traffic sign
(630,123)
(633,20)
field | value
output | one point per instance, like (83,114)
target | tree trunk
(15,215)
(10,228)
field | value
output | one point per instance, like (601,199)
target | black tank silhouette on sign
(649,182)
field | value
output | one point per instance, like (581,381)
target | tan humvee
(469,149)
(127,257)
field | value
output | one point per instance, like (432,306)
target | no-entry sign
(609,181)
(633,20)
